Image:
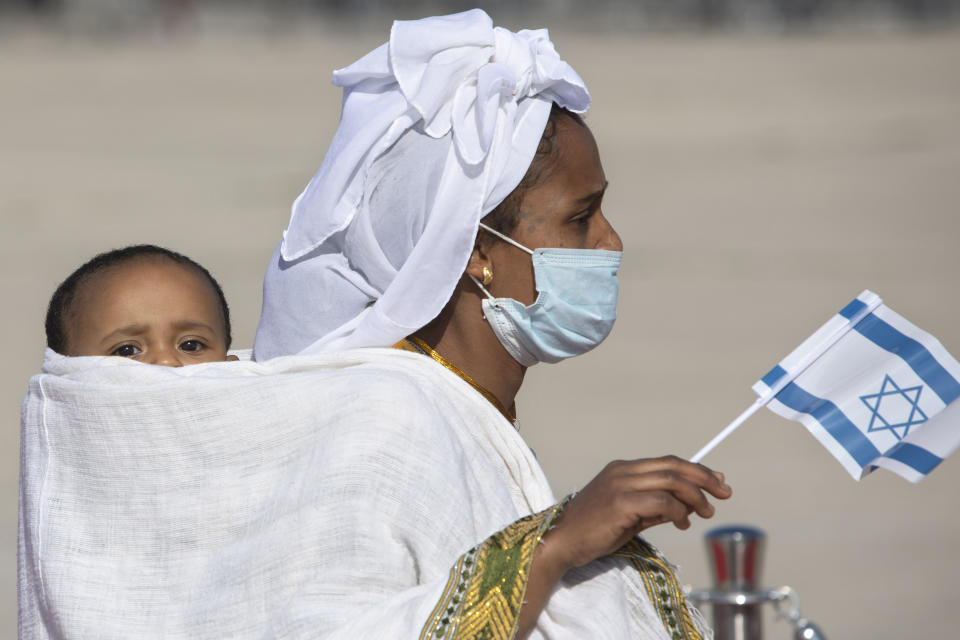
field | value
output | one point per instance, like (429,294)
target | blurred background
(768,160)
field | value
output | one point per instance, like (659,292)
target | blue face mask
(575,308)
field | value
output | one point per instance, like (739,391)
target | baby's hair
(64,296)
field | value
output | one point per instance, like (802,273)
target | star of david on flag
(873,388)
(912,397)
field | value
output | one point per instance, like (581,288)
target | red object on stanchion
(735,555)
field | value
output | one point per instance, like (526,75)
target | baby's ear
(232,358)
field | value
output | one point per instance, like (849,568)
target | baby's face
(152,310)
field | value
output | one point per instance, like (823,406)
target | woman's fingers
(657,507)
(664,482)
(713,482)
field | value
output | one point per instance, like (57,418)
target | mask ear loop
(505,239)
(484,289)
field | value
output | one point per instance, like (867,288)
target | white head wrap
(439,125)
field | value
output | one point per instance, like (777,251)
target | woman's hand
(623,500)
(626,498)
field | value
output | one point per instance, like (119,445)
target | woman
(458,217)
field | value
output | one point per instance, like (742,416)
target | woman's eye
(192,345)
(126,351)
(584,218)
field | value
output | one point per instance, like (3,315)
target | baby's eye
(192,345)
(126,351)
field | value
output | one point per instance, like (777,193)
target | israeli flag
(874,389)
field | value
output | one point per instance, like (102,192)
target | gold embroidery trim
(484,593)
(662,588)
(416,345)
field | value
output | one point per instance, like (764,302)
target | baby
(141,302)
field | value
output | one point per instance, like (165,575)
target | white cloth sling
(438,126)
(257,500)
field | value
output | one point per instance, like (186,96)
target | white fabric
(438,126)
(305,497)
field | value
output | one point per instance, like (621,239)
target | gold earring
(487,276)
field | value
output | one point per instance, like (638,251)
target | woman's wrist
(550,558)
(546,570)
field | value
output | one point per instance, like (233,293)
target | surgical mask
(575,308)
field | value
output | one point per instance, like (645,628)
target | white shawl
(305,497)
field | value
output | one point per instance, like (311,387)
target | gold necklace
(417,345)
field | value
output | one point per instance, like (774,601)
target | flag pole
(730,428)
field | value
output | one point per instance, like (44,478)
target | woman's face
(562,210)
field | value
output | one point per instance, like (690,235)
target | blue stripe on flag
(852,309)
(914,354)
(833,420)
(917,458)
(773,375)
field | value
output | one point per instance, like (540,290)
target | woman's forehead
(574,172)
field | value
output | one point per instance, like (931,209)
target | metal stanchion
(736,559)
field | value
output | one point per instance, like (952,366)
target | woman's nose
(609,239)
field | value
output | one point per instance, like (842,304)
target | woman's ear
(478,261)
